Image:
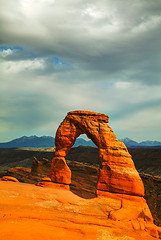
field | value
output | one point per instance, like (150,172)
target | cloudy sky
(57,56)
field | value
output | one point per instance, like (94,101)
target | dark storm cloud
(110,37)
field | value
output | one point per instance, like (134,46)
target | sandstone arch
(117,171)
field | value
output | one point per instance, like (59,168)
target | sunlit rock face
(117,171)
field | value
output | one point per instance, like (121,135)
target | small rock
(8,178)
(50,184)
(46,179)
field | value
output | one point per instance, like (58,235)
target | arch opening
(83,162)
(83,140)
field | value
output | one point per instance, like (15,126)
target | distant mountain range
(48,141)
(44,141)
(32,141)
(130,143)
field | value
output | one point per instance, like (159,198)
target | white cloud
(9,67)
(31,8)
(93,12)
(122,85)
(6,52)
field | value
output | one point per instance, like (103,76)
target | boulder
(60,171)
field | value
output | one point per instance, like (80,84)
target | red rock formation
(40,166)
(117,171)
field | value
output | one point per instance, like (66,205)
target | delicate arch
(117,171)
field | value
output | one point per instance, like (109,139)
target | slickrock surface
(117,171)
(43,213)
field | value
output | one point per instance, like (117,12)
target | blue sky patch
(58,62)
(11,47)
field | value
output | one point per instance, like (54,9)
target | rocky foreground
(84,175)
(52,212)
